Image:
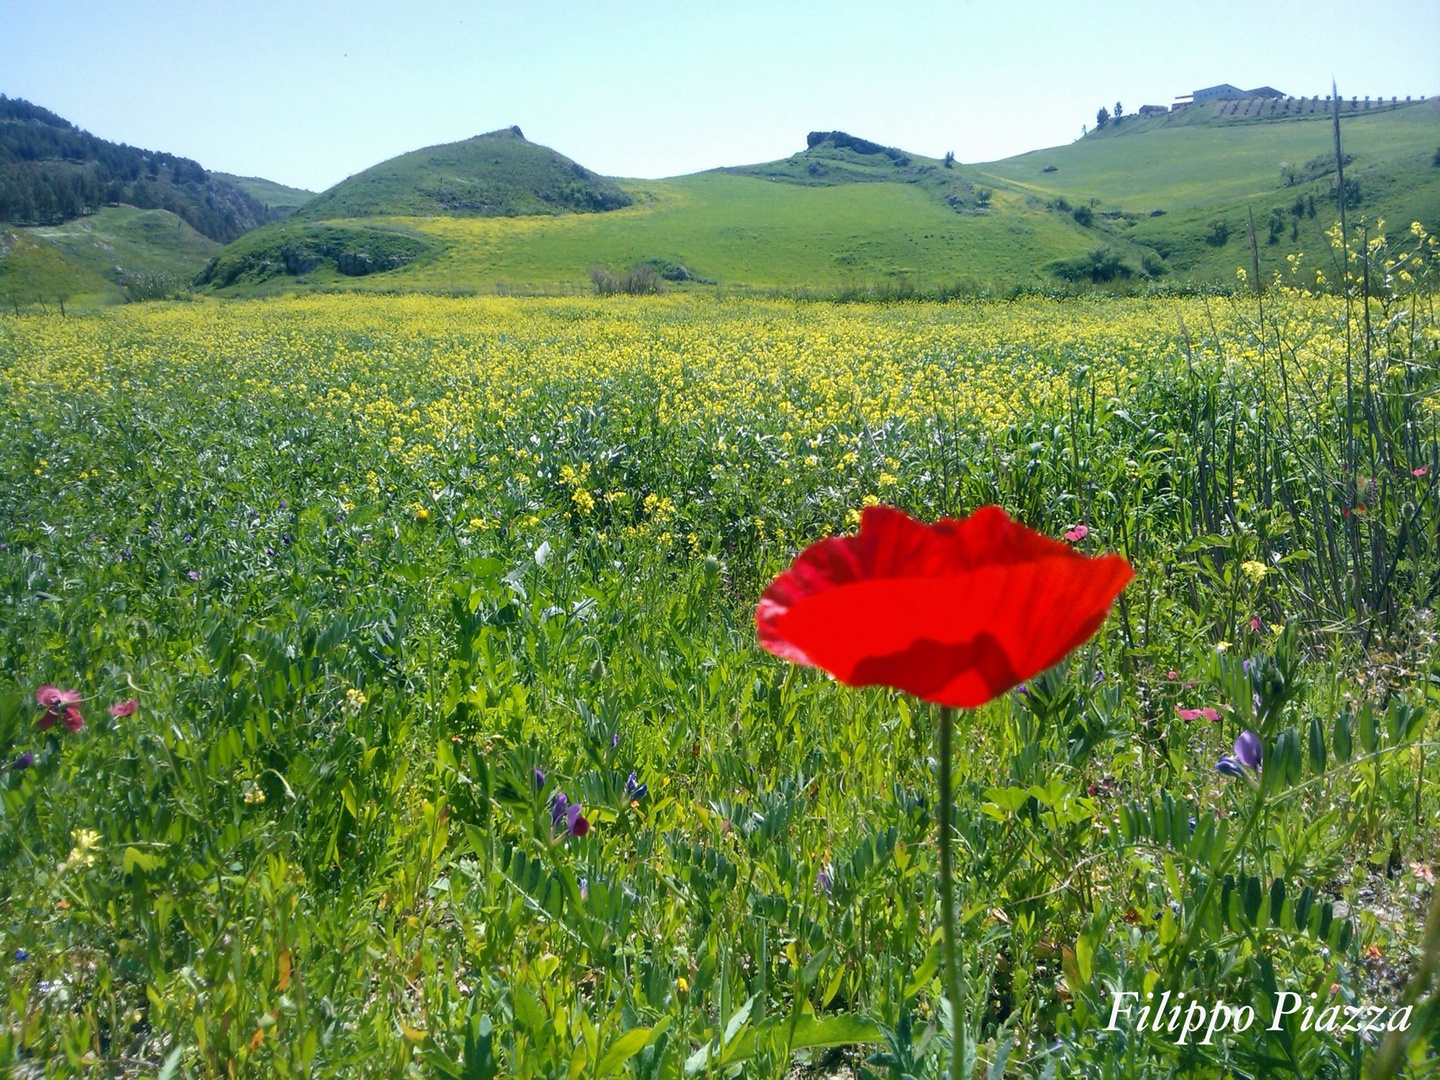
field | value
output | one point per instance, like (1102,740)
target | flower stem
(953,985)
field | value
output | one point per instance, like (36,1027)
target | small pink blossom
(1255,622)
(1422,471)
(52,697)
(72,719)
(1172,674)
(1078,533)
(1206,713)
(124,708)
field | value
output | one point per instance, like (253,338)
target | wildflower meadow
(381,689)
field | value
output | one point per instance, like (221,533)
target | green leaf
(923,974)
(840,1030)
(1317,746)
(134,858)
(1009,799)
(1342,740)
(627,1046)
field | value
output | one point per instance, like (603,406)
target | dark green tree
(1102,117)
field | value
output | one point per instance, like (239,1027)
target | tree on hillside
(1119,112)
(1102,117)
(949,159)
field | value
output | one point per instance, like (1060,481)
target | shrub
(641,280)
(1218,233)
(1084,215)
(1099,266)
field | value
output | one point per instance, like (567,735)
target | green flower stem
(953,985)
(1187,941)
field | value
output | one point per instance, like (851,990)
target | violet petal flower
(1249,751)
(823,882)
(576,823)
(558,808)
(539,779)
(1228,766)
(634,790)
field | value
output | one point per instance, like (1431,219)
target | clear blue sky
(307,93)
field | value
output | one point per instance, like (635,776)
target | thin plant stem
(953,984)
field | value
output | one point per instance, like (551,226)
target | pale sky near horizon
(307,93)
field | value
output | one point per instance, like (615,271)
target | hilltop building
(1226,92)
(1153,110)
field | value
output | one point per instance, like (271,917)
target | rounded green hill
(499,174)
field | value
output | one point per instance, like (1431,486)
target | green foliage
(321,845)
(1099,266)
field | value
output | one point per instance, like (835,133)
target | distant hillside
(499,174)
(837,157)
(51,172)
(32,272)
(141,254)
(280,200)
(1183,184)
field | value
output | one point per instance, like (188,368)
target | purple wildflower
(634,790)
(566,816)
(1099,678)
(1249,755)
(823,881)
(614,740)
(194,575)
(23,762)
(1022,690)
(21,956)
(558,808)
(1249,750)
(539,778)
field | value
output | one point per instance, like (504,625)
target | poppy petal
(956,613)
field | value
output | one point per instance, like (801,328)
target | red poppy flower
(956,613)
(124,708)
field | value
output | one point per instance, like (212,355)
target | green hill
(32,272)
(1183,184)
(1163,197)
(141,253)
(52,172)
(281,201)
(499,174)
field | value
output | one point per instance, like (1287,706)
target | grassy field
(749,233)
(386,577)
